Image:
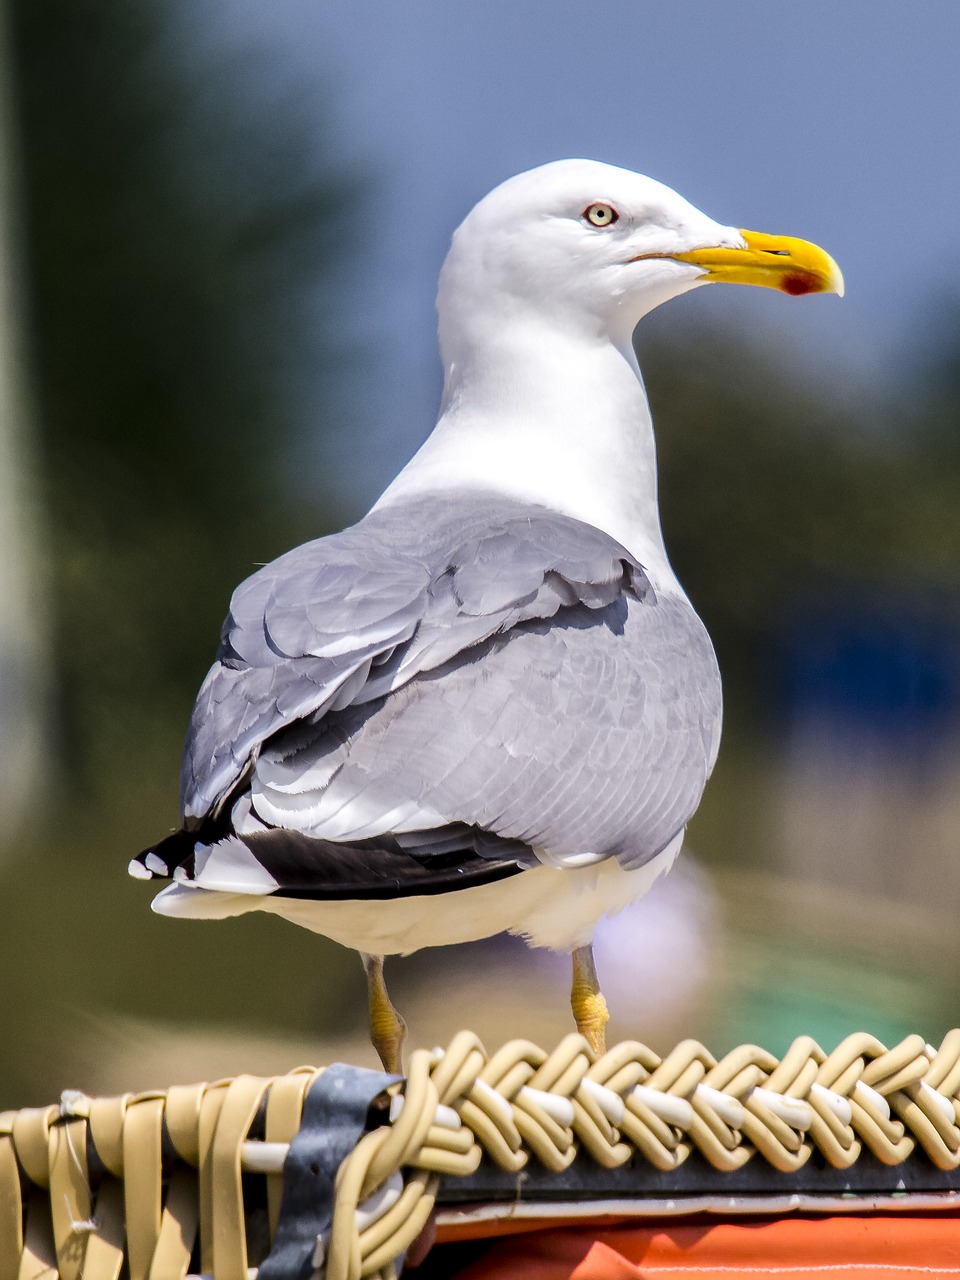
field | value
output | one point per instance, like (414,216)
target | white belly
(552,908)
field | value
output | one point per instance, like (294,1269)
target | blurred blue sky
(836,121)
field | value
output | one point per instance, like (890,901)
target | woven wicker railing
(192,1179)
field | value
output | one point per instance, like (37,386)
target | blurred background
(220,229)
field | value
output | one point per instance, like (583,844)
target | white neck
(555,419)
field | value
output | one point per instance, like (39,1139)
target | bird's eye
(601,215)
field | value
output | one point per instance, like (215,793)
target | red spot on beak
(796,284)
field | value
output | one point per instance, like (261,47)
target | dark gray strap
(333,1121)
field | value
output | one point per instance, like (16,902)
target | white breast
(552,908)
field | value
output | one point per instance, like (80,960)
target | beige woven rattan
(157,1180)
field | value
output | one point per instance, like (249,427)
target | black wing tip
(306,867)
(162,860)
(310,868)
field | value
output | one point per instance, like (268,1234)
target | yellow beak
(777,262)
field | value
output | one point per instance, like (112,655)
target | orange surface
(877,1246)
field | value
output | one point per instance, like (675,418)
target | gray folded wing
(468,661)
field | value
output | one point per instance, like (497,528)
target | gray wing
(348,618)
(477,663)
(588,734)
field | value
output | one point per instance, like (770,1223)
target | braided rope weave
(89,1184)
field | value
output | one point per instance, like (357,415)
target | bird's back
(473,684)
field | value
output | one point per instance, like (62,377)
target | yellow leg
(387,1028)
(589,1006)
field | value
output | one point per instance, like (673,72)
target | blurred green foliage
(177,227)
(935,384)
(775,487)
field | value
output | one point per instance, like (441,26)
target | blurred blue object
(878,671)
(866,799)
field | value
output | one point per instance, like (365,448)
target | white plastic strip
(940,1101)
(368,1212)
(495,1101)
(610,1103)
(263,1157)
(727,1205)
(74,1104)
(319,1254)
(445,1117)
(835,1102)
(667,1107)
(792,1111)
(384,1198)
(729,1110)
(871,1096)
(559,1109)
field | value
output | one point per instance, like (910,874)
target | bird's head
(586,243)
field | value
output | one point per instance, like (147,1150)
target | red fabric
(877,1247)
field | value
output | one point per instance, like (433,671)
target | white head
(543,286)
(588,245)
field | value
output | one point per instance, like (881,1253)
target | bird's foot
(586,1000)
(592,1023)
(387,1028)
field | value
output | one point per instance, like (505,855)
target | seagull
(488,706)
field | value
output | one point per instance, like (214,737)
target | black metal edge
(586,1180)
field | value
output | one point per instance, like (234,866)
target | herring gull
(489,705)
